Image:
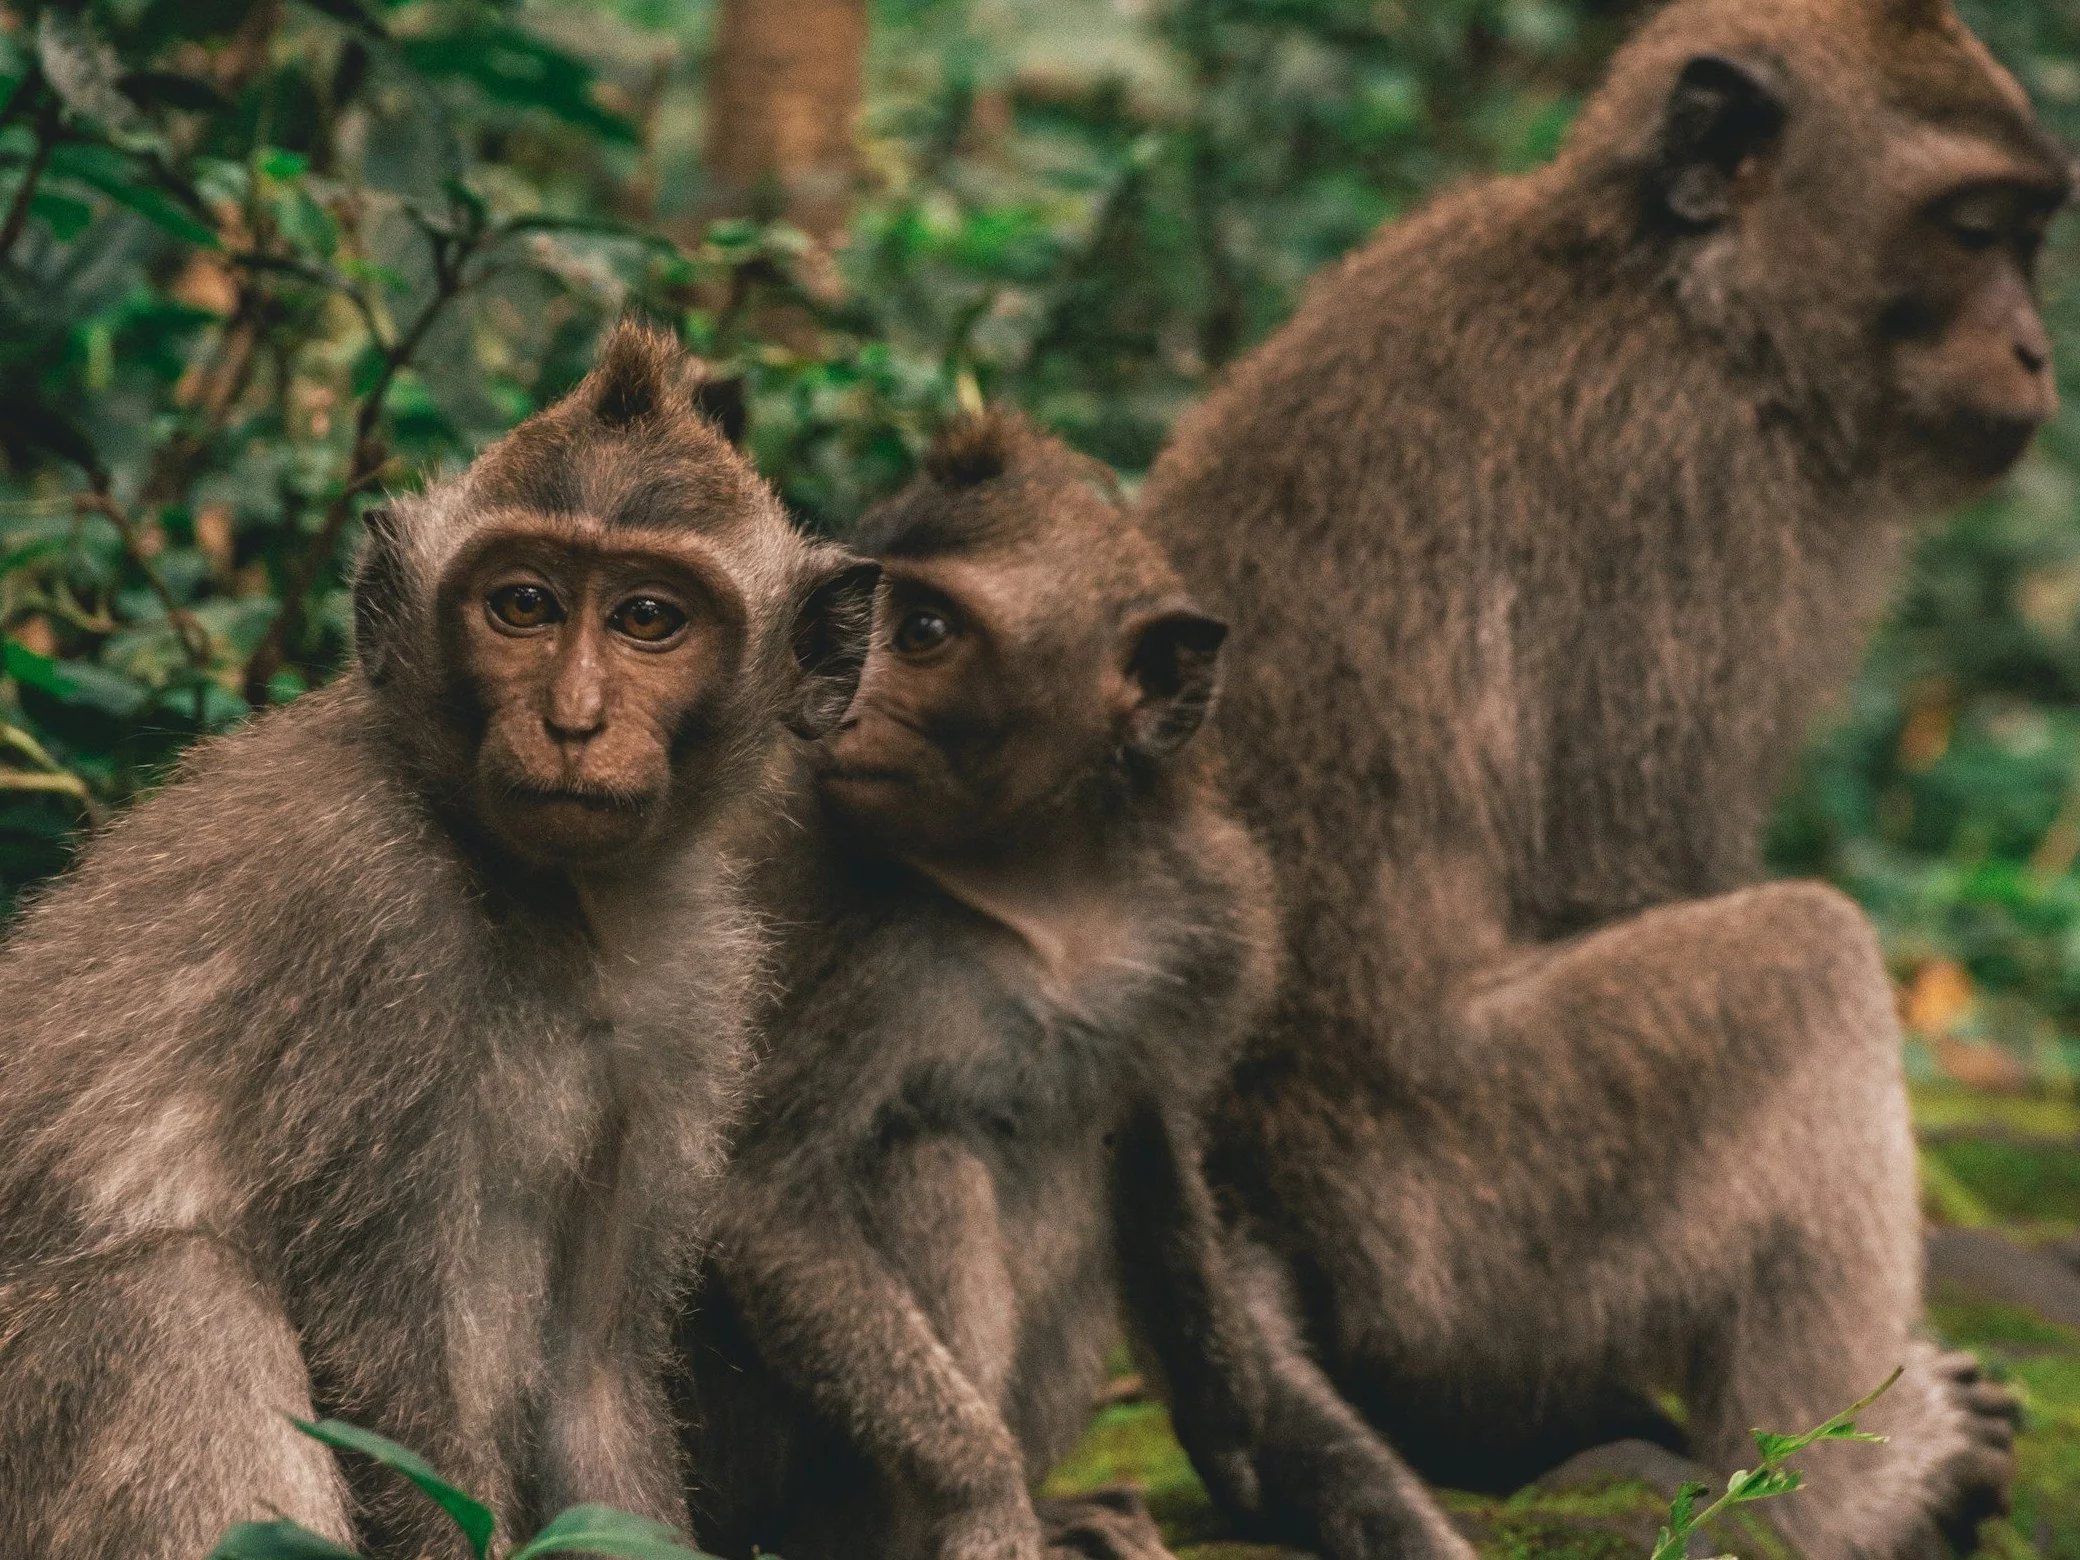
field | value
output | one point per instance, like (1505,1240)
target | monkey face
(1877,252)
(988,701)
(1970,357)
(594,666)
(966,714)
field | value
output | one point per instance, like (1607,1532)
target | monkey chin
(1957,458)
(569,828)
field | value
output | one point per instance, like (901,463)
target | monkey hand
(1352,1498)
(1105,1524)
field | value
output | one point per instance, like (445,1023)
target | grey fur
(1546,528)
(315,1103)
(962,1167)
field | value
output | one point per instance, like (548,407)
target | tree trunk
(784,89)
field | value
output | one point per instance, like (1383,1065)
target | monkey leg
(144,1403)
(1674,1153)
(1214,1319)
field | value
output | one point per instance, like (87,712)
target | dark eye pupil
(648,619)
(524,606)
(922,630)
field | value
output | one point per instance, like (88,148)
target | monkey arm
(832,1320)
(1275,1442)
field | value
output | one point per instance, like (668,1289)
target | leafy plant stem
(1767,1479)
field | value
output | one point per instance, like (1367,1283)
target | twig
(18,212)
(370,456)
(49,776)
(194,638)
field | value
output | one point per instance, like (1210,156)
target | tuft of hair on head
(978,446)
(642,373)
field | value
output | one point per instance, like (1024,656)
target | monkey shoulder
(265,974)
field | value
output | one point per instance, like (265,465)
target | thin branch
(18,212)
(370,456)
(49,776)
(194,638)
(24,93)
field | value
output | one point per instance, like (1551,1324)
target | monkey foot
(1105,1524)
(1981,1470)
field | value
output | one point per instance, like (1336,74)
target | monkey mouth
(863,775)
(592,799)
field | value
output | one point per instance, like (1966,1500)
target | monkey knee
(157,1384)
(1800,962)
(1813,923)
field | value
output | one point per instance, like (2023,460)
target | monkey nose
(2032,357)
(574,727)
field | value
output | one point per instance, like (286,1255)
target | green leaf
(280,1539)
(1849,1433)
(367,370)
(1775,1448)
(1682,1510)
(468,200)
(29,552)
(513,66)
(1761,1484)
(65,217)
(278,164)
(603,1530)
(472,1516)
(101,168)
(31,670)
(92,687)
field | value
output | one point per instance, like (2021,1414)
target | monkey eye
(921,631)
(1979,220)
(524,607)
(646,620)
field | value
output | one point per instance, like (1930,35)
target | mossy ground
(2006,1164)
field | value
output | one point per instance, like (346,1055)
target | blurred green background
(262,258)
(259,258)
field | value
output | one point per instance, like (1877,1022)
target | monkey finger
(1106,1524)
(1991,1400)
(1959,1365)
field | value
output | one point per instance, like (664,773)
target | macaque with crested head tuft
(1549,524)
(378,1067)
(1024,937)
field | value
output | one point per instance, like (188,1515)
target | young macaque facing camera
(378,1067)
(1024,937)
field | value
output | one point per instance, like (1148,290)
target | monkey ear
(833,631)
(1173,676)
(1722,112)
(380,587)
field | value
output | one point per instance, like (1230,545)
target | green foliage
(468,1514)
(600,1530)
(257,262)
(1766,1480)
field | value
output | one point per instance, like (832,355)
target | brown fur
(1024,938)
(321,1100)
(1546,527)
